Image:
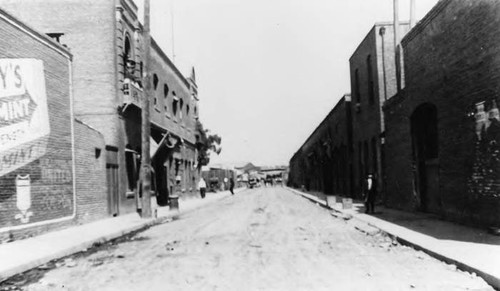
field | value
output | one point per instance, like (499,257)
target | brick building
(38,138)
(373,81)
(106,41)
(443,130)
(323,162)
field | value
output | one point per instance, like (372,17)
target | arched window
(181,107)
(175,100)
(165,95)
(155,81)
(371,93)
(127,59)
(155,86)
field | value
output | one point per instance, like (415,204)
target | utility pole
(145,124)
(396,45)
(412,13)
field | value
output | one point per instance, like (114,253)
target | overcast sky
(268,71)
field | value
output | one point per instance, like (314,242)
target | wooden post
(145,123)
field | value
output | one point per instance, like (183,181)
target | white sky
(268,71)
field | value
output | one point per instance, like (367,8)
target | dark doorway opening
(425,146)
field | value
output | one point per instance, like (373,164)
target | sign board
(24,118)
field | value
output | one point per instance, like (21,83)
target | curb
(86,244)
(490,279)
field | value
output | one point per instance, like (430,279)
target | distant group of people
(202,187)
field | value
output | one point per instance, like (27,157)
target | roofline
(42,38)
(335,108)
(154,45)
(377,24)
(88,126)
(422,24)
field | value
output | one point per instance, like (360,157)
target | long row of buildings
(429,129)
(70,115)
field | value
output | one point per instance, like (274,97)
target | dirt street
(261,239)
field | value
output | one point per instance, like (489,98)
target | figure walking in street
(371,191)
(231,186)
(202,186)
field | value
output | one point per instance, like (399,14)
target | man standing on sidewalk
(202,186)
(371,191)
(231,186)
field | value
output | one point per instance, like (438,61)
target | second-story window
(356,86)
(369,72)
(175,100)
(165,95)
(155,81)
(155,86)
(181,102)
(128,62)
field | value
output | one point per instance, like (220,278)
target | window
(155,81)
(356,89)
(367,157)
(128,62)
(155,86)
(187,110)
(374,155)
(165,95)
(180,107)
(371,93)
(174,103)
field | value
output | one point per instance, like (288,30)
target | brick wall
(452,63)
(88,27)
(36,168)
(181,123)
(92,33)
(374,56)
(322,163)
(91,195)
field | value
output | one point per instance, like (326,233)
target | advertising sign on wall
(35,155)
(24,118)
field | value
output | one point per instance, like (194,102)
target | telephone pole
(145,124)
(397,45)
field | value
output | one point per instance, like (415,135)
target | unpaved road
(262,239)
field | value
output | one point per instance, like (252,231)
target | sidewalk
(470,249)
(19,256)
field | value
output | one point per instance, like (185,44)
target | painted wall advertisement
(32,180)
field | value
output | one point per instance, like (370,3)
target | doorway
(425,148)
(113,191)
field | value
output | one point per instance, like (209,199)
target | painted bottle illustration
(23,195)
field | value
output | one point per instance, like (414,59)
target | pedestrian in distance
(231,186)
(371,192)
(202,186)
